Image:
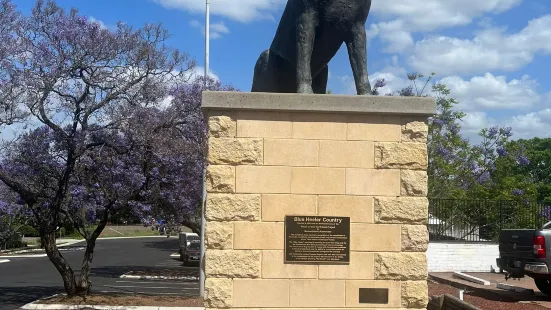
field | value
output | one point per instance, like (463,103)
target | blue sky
(493,54)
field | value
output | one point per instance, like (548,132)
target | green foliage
(15,244)
(28,231)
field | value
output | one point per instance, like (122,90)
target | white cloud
(217,30)
(402,17)
(534,124)
(102,24)
(524,126)
(491,92)
(238,10)
(94,20)
(199,71)
(490,49)
(393,33)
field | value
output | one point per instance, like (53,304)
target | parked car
(185,240)
(527,252)
(192,253)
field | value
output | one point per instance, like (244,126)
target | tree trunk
(66,272)
(85,285)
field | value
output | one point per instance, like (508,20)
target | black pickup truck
(527,252)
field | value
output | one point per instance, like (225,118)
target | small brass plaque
(373,296)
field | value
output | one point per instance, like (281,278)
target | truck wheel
(544,286)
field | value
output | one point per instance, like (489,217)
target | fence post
(500,215)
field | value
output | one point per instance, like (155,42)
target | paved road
(24,280)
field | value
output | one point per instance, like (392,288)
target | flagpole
(207,39)
(203,220)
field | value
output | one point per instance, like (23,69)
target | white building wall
(467,257)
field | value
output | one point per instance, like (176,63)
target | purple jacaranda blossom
(523,160)
(517,192)
(380,83)
(492,132)
(546,212)
(507,132)
(484,177)
(501,151)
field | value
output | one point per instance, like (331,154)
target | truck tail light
(539,246)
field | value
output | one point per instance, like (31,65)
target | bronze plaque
(373,296)
(317,239)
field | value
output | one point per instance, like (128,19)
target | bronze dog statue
(309,35)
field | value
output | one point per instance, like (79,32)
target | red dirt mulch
(126,300)
(482,299)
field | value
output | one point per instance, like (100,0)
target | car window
(194,246)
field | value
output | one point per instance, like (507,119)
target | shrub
(28,231)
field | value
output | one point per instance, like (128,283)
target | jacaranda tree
(85,95)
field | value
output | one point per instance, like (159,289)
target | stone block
(401,210)
(232,264)
(360,267)
(220,179)
(248,293)
(374,128)
(413,183)
(411,156)
(219,235)
(401,266)
(346,154)
(317,293)
(415,238)
(372,237)
(313,180)
(289,152)
(319,126)
(258,236)
(274,267)
(218,293)
(264,124)
(232,207)
(222,125)
(235,151)
(358,208)
(263,179)
(353,291)
(415,130)
(275,207)
(372,182)
(415,294)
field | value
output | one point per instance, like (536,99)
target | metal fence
(481,220)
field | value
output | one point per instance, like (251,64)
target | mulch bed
(106,299)
(482,299)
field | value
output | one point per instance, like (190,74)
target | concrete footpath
(495,278)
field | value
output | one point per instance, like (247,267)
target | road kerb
(470,278)
(514,288)
(36,306)
(25,256)
(4,261)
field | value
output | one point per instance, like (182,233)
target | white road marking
(160,282)
(151,287)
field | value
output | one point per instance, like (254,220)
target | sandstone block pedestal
(272,155)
